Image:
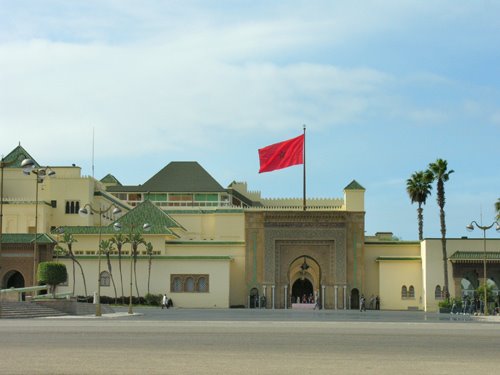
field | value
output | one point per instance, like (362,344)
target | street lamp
(83,211)
(484,228)
(134,242)
(41,173)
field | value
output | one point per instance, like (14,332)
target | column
(286,296)
(336,297)
(323,297)
(264,293)
(273,294)
(345,297)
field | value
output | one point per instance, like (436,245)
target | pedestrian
(362,303)
(164,302)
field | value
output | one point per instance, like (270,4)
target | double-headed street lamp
(484,228)
(41,173)
(86,210)
(135,239)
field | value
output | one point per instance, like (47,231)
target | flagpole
(304,200)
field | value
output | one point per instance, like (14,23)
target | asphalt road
(217,342)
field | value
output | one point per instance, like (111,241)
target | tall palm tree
(418,187)
(118,240)
(441,174)
(107,247)
(135,239)
(69,240)
(149,251)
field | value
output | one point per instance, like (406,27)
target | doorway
(355,299)
(301,288)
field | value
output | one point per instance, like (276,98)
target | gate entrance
(301,289)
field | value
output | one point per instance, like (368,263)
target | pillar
(286,296)
(273,287)
(345,297)
(336,297)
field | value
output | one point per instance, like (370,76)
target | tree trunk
(149,271)
(420,222)
(108,259)
(135,273)
(119,247)
(83,277)
(445,256)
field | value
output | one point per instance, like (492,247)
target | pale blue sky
(384,87)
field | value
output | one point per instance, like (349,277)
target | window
(176,285)
(189,284)
(72,207)
(411,292)
(105,279)
(438,293)
(201,287)
(404,292)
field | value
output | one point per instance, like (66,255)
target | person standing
(164,302)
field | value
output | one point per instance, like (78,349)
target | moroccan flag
(282,155)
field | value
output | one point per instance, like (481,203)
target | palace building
(209,246)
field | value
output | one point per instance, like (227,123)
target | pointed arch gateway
(304,274)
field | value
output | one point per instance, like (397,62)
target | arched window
(105,279)
(404,292)
(189,286)
(177,285)
(411,292)
(438,293)
(202,285)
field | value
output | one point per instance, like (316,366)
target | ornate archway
(304,275)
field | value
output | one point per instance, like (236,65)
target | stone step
(17,310)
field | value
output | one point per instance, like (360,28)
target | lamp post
(91,210)
(41,173)
(134,242)
(484,228)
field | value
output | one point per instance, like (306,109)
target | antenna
(93,131)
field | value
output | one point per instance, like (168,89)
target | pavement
(180,314)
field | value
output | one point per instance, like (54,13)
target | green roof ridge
(354,185)
(16,157)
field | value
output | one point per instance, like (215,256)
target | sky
(383,87)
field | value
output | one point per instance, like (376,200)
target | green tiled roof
(475,256)
(16,156)
(146,212)
(176,177)
(389,258)
(354,185)
(110,179)
(26,238)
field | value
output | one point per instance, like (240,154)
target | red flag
(282,155)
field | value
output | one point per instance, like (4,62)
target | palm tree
(135,239)
(418,187)
(149,251)
(497,208)
(118,240)
(107,248)
(69,240)
(440,174)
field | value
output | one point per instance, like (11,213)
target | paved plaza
(184,341)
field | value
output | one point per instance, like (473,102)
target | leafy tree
(69,240)
(52,274)
(418,187)
(149,251)
(118,240)
(441,174)
(497,208)
(107,247)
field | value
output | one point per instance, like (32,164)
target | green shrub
(52,274)
(153,299)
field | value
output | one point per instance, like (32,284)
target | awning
(475,257)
